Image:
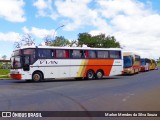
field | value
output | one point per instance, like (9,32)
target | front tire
(37,77)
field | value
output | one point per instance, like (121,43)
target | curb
(5,78)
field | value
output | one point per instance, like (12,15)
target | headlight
(129,69)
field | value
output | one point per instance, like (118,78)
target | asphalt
(138,92)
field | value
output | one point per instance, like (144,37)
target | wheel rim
(99,74)
(90,75)
(36,77)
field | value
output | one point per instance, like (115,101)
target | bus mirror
(26,67)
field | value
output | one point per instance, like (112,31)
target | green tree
(4,57)
(100,41)
(60,41)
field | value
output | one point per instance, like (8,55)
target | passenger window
(102,54)
(77,54)
(91,54)
(60,54)
(115,54)
(45,53)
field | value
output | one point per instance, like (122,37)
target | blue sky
(134,23)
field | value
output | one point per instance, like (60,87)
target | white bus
(38,63)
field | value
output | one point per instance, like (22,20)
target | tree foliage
(60,41)
(99,41)
(25,40)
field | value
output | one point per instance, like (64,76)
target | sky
(134,23)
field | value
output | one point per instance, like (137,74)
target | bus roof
(129,53)
(81,48)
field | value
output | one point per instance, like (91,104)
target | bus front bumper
(16,76)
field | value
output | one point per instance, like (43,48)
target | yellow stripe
(82,68)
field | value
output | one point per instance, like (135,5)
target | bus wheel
(99,74)
(90,74)
(37,77)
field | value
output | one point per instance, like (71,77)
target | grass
(4,71)
(158,63)
(4,76)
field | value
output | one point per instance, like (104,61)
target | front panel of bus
(20,63)
(128,64)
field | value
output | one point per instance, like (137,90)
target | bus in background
(153,65)
(132,63)
(145,64)
(44,62)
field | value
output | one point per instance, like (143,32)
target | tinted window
(143,62)
(16,62)
(62,54)
(45,53)
(137,58)
(115,54)
(77,53)
(91,54)
(30,52)
(102,54)
(128,61)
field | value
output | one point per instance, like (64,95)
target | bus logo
(48,62)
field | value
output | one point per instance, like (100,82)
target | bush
(4,71)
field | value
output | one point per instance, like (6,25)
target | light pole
(48,40)
(56,30)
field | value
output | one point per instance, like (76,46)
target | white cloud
(78,14)
(39,32)
(10,36)
(12,10)
(133,23)
(41,4)
(45,9)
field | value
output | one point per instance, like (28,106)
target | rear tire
(37,77)
(90,75)
(99,74)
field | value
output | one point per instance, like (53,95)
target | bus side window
(60,54)
(115,54)
(45,53)
(91,54)
(77,54)
(102,54)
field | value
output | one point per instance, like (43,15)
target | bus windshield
(16,62)
(22,57)
(128,61)
(143,62)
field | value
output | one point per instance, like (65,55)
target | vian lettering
(48,62)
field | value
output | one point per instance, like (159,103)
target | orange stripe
(95,65)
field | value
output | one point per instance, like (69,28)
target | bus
(132,63)
(145,64)
(153,65)
(38,63)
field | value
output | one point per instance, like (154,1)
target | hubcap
(36,77)
(90,75)
(99,75)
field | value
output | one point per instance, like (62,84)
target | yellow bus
(153,65)
(132,63)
